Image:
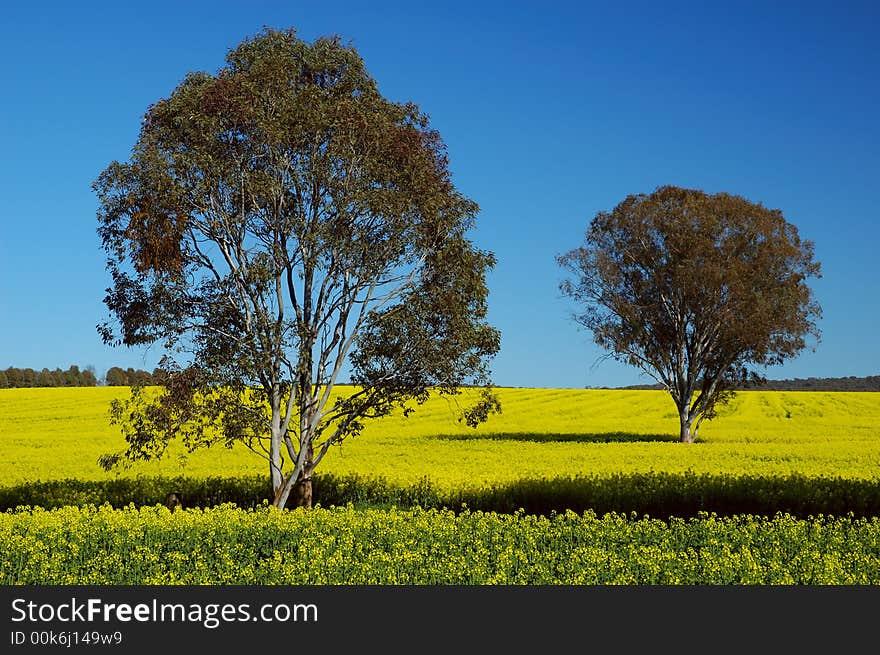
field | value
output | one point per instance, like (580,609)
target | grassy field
(52,434)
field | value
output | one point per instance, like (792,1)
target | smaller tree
(140,377)
(697,290)
(70,377)
(47,378)
(88,378)
(28,378)
(116,377)
(14,377)
(279,225)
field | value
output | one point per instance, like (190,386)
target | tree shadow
(581,437)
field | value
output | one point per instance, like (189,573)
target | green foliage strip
(658,494)
(228,545)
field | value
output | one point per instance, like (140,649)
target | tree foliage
(279,224)
(699,291)
(119,377)
(14,377)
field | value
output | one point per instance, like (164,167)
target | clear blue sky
(551,112)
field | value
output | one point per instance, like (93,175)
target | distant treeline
(15,378)
(851,383)
(19,378)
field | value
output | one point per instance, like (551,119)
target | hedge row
(659,495)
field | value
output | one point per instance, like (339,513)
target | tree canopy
(13,377)
(278,224)
(699,291)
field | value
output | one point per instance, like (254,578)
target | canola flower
(344,546)
(551,447)
(541,434)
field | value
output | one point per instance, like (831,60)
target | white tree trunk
(685,420)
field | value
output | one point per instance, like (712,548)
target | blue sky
(550,111)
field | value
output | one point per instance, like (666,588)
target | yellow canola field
(49,434)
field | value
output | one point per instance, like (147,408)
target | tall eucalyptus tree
(281,225)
